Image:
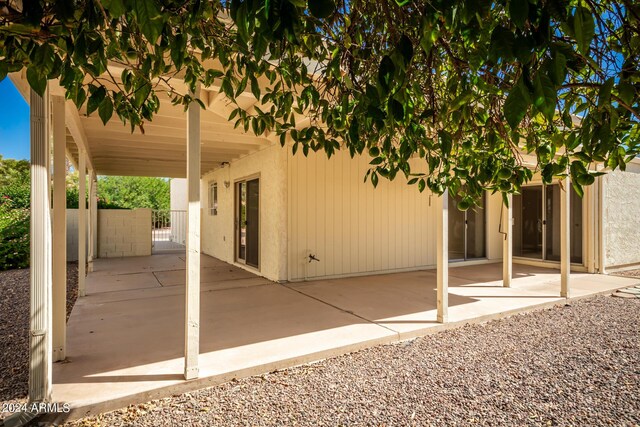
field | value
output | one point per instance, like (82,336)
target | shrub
(14,235)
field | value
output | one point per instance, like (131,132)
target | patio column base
(191,373)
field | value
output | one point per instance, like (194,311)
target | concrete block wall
(123,233)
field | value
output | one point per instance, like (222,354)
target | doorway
(248,222)
(536,225)
(466,231)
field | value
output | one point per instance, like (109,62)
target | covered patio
(250,325)
(145,325)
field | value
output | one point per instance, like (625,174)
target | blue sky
(14,122)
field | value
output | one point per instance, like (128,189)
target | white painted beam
(74,124)
(40,344)
(565,239)
(507,243)
(82,223)
(192,291)
(59,261)
(442,262)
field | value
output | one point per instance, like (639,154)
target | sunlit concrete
(125,338)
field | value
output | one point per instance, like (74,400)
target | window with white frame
(213,198)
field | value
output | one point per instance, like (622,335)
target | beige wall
(312,205)
(178,194)
(72,233)
(494,238)
(218,236)
(123,232)
(356,229)
(351,227)
(622,216)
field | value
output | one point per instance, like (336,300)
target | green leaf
(502,42)
(577,187)
(544,95)
(516,104)
(149,19)
(626,91)
(255,88)
(385,73)
(397,109)
(142,90)
(115,7)
(558,69)
(96,99)
(374,179)
(105,111)
(604,94)
(519,12)
(37,80)
(322,9)
(583,28)
(405,47)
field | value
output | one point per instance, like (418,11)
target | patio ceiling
(161,151)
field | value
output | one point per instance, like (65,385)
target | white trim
(546,263)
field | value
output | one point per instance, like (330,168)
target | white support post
(82,222)
(507,244)
(59,260)
(442,225)
(602,225)
(93,219)
(40,344)
(192,291)
(565,239)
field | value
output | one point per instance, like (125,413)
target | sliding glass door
(466,231)
(247,221)
(536,227)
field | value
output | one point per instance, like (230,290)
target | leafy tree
(464,86)
(15,192)
(134,192)
(14,171)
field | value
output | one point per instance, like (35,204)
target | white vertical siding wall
(351,227)
(622,216)
(218,232)
(493,236)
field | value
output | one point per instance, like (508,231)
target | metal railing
(168,230)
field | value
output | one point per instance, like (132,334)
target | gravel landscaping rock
(628,273)
(14,330)
(571,365)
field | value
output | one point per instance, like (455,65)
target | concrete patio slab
(207,275)
(125,338)
(122,282)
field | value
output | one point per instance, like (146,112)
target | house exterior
(288,218)
(316,218)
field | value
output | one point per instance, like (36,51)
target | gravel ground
(571,365)
(14,330)
(628,273)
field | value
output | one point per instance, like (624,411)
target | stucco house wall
(178,194)
(622,216)
(218,233)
